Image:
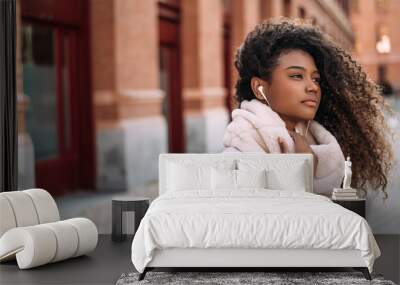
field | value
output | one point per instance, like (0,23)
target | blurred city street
(97,105)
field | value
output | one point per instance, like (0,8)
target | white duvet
(253,218)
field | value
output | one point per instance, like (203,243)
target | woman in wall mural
(299,92)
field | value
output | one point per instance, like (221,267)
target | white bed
(215,211)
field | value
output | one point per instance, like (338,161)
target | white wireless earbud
(260,88)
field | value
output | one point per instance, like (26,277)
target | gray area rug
(225,278)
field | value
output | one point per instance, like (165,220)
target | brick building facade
(377,47)
(135,78)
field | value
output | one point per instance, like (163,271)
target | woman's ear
(256,83)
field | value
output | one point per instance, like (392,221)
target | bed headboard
(271,160)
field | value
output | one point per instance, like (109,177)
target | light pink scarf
(255,127)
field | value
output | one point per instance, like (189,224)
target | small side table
(139,205)
(355,205)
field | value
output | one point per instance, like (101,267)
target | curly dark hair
(351,106)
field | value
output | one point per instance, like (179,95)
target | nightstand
(356,205)
(121,206)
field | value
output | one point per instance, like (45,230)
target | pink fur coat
(255,127)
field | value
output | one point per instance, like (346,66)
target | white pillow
(188,177)
(251,178)
(223,179)
(192,174)
(236,179)
(284,174)
(295,180)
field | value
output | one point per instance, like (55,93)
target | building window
(287,8)
(302,13)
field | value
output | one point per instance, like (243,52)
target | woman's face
(294,91)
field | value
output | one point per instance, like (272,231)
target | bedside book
(347,190)
(345,198)
(344,194)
